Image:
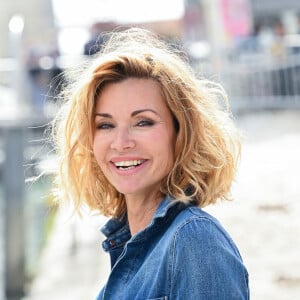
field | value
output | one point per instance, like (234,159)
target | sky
(84,12)
(75,17)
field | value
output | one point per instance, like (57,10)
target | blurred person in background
(143,141)
(94,44)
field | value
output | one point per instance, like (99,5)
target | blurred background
(251,46)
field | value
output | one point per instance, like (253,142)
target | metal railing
(260,81)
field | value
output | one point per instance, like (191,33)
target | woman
(143,141)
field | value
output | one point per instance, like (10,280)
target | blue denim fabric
(184,253)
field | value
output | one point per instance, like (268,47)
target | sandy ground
(264,220)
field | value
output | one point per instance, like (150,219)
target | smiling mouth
(128,165)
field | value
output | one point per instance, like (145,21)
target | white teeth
(129,163)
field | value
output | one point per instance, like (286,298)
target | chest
(142,271)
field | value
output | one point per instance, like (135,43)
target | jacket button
(112,242)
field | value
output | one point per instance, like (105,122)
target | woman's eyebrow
(136,112)
(104,115)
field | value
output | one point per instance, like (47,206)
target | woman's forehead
(132,93)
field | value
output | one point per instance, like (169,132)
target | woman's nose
(122,141)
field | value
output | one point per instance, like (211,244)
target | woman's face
(134,136)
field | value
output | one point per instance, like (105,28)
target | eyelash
(105,126)
(145,123)
(142,123)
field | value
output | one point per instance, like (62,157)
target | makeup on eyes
(142,121)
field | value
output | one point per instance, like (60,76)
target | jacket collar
(115,224)
(117,229)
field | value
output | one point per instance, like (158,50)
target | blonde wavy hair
(207,145)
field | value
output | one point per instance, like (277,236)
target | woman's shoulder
(202,248)
(193,214)
(194,226)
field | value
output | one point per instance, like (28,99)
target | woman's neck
(140,211)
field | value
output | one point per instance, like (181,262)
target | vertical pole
(214,29)
(2,270)
(14,212)
(16,27)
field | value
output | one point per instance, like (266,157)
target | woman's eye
(144,123)
(105,126)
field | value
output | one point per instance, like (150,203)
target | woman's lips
(128,163)
(125,166)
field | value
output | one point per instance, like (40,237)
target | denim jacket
(184,253)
